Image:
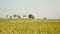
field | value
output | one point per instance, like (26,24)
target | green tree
(44,18)
(14,15)
(19,16)
(10,17)
(31,16)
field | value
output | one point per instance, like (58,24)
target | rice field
(26,26)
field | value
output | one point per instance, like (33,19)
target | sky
(39,8)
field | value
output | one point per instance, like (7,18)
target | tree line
(30,16)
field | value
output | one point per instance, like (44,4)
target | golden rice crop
(26,26)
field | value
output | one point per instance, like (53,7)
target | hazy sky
(39,8)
